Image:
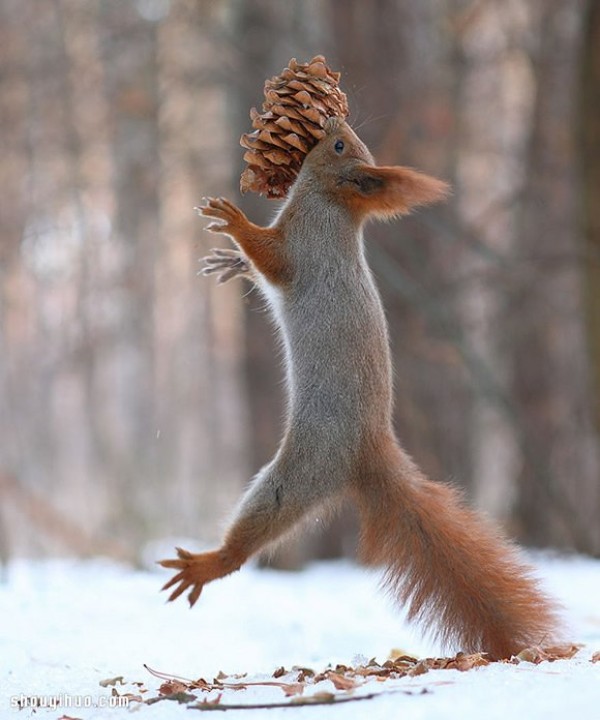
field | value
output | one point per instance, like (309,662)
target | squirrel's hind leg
(275,503)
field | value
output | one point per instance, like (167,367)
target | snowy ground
(66,626)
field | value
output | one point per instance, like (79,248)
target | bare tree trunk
(121,382)
(79,67)
(496,84)
(14,98)
(202,403)
(590,154)
(131,86)
(560,492)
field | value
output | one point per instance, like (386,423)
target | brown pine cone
(297,104)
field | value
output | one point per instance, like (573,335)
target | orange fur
(386,192)
(196,570)
(263,246)
(454,571)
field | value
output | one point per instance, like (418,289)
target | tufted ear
(386,192)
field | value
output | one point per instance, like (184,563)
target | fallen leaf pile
(297,104)
(305,686)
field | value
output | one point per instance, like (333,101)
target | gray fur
(337,361)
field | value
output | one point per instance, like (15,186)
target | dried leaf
(468,662)
(303,673)
(397,653)
(537,655)
(112,681)
(206,703)
(373,670)
(419,669)
(181,698)
(131,697)
(341,682)
(172,687)
(531,655)
(292,689)
(562,652)
(596,657)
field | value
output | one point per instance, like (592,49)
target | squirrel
(453,570)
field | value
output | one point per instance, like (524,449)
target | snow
(67,625)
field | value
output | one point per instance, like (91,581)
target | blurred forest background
(136,399)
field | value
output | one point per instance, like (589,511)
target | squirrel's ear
(389,191)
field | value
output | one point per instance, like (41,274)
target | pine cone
(297,104)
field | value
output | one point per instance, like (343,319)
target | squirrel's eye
(339,147)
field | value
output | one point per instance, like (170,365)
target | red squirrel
(453,570)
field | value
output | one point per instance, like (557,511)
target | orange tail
(459,577)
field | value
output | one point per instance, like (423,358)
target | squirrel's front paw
(194,572)
(234,220)
(228,263)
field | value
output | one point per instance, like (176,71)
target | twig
(317,699)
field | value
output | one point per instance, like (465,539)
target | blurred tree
(135,398)
(590,154)
(200,388)
(559,492)
(129,58)
(121,377)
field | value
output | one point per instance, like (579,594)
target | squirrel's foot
(235,223)
(228,263)
(195,571)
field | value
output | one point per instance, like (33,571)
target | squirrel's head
(345,171)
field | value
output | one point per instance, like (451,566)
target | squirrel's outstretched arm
(264,246)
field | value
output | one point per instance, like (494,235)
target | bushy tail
(457,575)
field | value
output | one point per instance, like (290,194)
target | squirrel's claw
(215,227)
(222,209)
(183,556)
(184,578)
(194,572)
(222,253)
(228,263)
(230,220)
